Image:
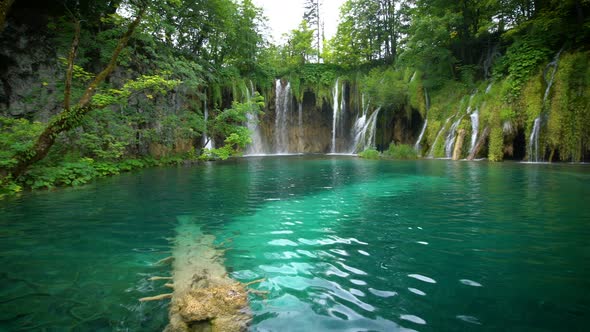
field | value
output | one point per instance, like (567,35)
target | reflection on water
(343,244)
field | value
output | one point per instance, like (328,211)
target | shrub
(369,154)
(401,151)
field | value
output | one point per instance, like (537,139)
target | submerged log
(204,297)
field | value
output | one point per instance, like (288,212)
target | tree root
(254,282)
(156,298)
(263,294)
(167,260)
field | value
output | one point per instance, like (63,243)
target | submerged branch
(156,298)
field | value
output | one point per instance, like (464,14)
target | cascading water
(474,129)
(451,136)
(431,152)
(364,137)
(207,141)
(417,146)
(257,146)
(283,97)
(534,139)
(335,110)
(300,126)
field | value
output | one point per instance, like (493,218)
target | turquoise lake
(344,244)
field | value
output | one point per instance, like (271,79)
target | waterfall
(300,124)
(450,140)
(489,88)
(417,146)
(342,113)
(534,139)
(431,152)
(474,129)
(256,146)
(334,116)
(283,97)
(207,141)
(364,132)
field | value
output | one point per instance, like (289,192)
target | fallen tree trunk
(204,297)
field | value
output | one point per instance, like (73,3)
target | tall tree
(368,32)
(313,18)
(299,49)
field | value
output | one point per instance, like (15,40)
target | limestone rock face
(28,69)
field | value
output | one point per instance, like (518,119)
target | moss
(416,96)
(568,107)
(496,147)
(531,101)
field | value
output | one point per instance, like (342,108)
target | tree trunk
(70,118)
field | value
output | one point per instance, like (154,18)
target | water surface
(344,244)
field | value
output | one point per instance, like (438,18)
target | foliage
(400,151)
(521,60)
(16,136)
(496,148)
(299,49)
(568,111)
(369,154)
(368,32)
(229,124)
(386,88)
(148,84)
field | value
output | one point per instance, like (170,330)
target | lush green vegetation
(369,154)
(129,82)
(395,152)
(400,151)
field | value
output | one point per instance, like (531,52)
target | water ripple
(422,278)
(470,283)
(413,319)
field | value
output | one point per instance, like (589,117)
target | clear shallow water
(344,244)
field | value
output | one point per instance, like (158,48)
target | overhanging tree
(71,115)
